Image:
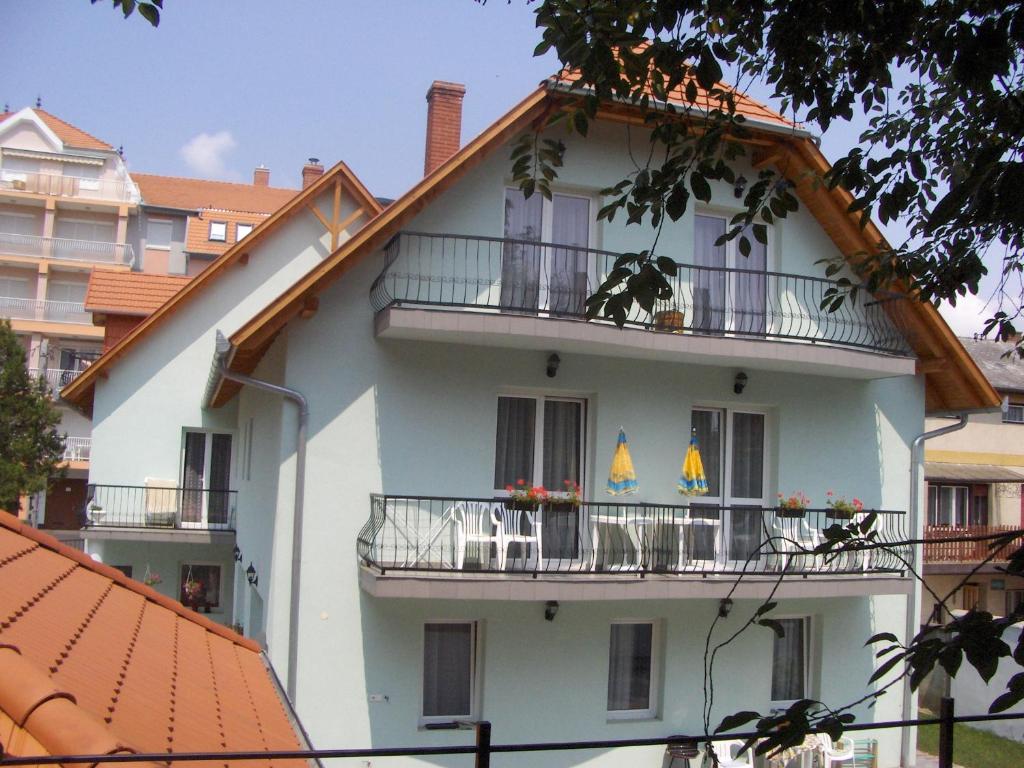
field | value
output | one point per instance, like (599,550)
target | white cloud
(968,316)
(205,154)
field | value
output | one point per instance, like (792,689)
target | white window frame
(10,282)
(809,655)
(538,434)
(183,564)
(223,235)
(955,521)
(170,237)
(238,230)
(654,691)
(62,283)
(1014,413)
(475,677)
(19,215)
(93,222)
(204,522)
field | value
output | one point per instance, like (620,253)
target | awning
(971,473)
(53,156)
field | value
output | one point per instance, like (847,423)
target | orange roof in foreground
(130,293)
(92,662)
(66,132)
(196,194)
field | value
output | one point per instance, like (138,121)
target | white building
(442,355)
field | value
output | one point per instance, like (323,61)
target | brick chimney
(261,176)
(311,171)
(444,123)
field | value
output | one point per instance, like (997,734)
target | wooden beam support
(335,215)
(244,259)
(320,216)
(310,304)
(357,213)
(931,365)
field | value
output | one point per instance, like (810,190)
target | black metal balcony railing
(525,277)
(431,533)
(158,506)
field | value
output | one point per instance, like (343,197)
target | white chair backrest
(731,751)
(511,520)
(477,517)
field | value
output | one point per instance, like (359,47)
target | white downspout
(221,360)
(908,757)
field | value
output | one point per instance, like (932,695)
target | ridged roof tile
(201,194)
(130,293)
(66,132)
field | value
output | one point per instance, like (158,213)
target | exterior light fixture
(740,383)
(724,606)
(553,362)
(550,610)
(250,575)
(739,186)
(681,748)
(237,554)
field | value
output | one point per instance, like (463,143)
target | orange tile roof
(199,194)
(197,235)
(69,134)
(130,293)
(92,662)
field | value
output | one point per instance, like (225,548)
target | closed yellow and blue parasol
(622,477)
(693,481)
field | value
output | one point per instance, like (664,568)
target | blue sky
(223,86)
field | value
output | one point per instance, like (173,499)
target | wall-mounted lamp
(740,383)
(237,554)
(250,575)
(724,607)
(680,748)
(553,362)
(739,186)
(550,610)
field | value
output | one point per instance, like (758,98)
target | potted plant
(192,593)
(840,508)
(151,579)
(669,318)
(524,496)
(794,505)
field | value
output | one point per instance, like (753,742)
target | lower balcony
(946,549)
(482,548)
(157,510)
(17,308)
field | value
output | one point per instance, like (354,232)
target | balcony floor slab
(179,535)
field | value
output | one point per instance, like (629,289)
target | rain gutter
(223,354)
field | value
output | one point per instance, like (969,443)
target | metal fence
(77,448)
(66,248)
(52,311)
(526,277)
(939,547)
(159,506)
(439,534)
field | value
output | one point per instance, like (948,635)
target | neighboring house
(93,662)
(976,487)
(442,354)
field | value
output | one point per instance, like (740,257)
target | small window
(200,586)
(1014,413)
(125,569)
(449,671)
(789,662)
(970,597)
(241,230)
(219,231)
(158,233)
(631,673)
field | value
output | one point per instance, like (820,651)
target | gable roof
(66,132)
(93,662)
(998,361)
(79,392)
(130,293)
(953,380)
(199,194)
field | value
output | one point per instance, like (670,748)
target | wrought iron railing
(52,311)
(432,533)
(77,448)
(545,279)
(69,186)
(159,506)
(941,545)
(66,248)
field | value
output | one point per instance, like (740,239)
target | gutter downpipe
(907,757)
(222,357)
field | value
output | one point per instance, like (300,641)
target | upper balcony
(946,550)
(532,295)
(66,249)
(425,546)
(47,311)
(73,187)
(158,511)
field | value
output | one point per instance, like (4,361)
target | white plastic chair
(510,531)
(730,754)
(834,752)
(489,523)
(793,537)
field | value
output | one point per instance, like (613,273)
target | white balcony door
(539,278)
(206,480)
(727,301)
(732,446)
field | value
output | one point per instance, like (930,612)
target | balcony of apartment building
(529,294)
(57,379)
(479,548)
(158,511)
(65,249)
(86,185)
(45,310)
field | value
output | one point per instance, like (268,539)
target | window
(723,300)
(449,671)
(1014,600)
(241,230)
(200,586)
(159,233)
(971,597)
(948,505)
(85,229)
(1014,413)
(789,661)
(219,231)
(732,446)
(206,480)
(61,291)
(534,277)
(15,288)
(20,224)
(540,440)
(631,670)
(125,569)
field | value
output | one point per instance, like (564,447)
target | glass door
(729,289)
(206,479)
